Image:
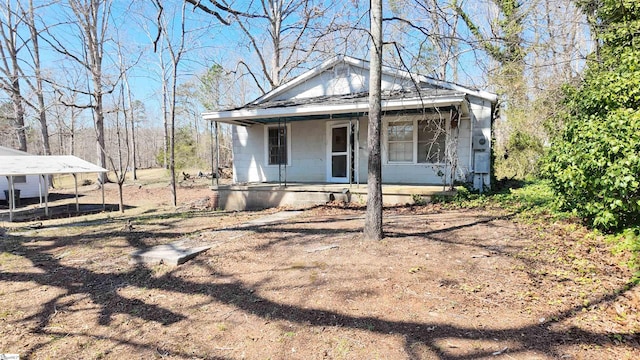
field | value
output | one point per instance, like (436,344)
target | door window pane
(339,139)
(339,166)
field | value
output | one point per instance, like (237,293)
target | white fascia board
(310,110)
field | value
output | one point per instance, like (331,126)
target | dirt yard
(443,284)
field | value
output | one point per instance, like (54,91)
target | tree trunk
(134,173)
(373,219)
(42,110)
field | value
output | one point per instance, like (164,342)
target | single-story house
(28,186)
(313,129)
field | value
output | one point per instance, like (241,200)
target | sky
(132,26)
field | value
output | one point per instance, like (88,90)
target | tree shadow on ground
(102,288)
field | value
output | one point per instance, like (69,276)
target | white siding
(341,80)
(30,189)
(308,148)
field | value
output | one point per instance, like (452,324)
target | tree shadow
(101,289)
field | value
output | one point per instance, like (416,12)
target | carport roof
(20,165)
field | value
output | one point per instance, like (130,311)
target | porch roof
(337,106)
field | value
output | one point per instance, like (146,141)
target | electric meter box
(480,142)
(482,162)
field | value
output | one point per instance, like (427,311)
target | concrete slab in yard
(171,254)
(178,252)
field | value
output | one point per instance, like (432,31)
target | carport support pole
(46,195)
(10,200)
(104,207)
(75,181)
(40,179)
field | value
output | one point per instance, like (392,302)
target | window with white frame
(416,140)
(277,144)
(400,141)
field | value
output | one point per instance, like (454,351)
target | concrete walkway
(181,251)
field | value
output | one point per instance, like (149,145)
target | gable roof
(421,80)
(321,93)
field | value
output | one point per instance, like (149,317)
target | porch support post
(356,157)
(279,153)
(286,150)
(217,155)
(351,153)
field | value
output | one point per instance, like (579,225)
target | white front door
(340,154)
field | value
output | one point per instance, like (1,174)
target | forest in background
(95,78)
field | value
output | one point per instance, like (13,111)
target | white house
(313,129)
(30,186)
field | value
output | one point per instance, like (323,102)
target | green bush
(594,164)
(595,169)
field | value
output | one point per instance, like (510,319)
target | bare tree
(176,51)
(36,84)
(10,46)
(373,220)
(91,23)
(288,33)
(426,31)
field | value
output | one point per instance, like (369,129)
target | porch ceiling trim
(248,117)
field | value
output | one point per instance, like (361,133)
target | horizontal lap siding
(308,149)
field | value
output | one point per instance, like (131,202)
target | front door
(340,154)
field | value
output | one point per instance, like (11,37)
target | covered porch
(253,196)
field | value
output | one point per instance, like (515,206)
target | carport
(43,166)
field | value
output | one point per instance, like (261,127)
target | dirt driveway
(443,284)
